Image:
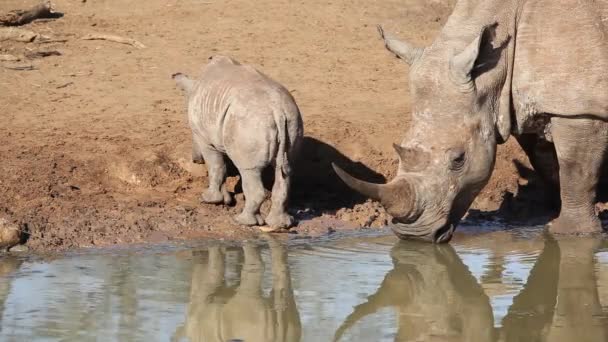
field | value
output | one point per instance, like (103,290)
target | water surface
(498,286)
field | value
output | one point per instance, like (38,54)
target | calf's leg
(216,168)
(580,145)
(278,218)
(254,196)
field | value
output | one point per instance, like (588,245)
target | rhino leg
(278,218)
(541,154)
(216,167)
(543,159)
(253,189)
(252,272)
(197,154)
(580,145)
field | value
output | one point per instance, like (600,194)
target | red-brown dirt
(94,143)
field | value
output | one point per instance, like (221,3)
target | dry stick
(41,54)
(21,17)
(115,39)
(51,41)
(64,85)
(20,67)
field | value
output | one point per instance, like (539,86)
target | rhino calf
(236,111)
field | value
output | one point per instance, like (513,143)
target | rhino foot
(279,221)
(247,219)
(567,225)
(216,197)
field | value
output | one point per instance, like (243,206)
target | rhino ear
(463,63)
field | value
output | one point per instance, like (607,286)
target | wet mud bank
(94,142)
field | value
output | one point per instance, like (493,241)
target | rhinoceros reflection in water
(218,312)
(434,294)
(436,298)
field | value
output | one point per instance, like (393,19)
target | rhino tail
(283,137)
(184,82)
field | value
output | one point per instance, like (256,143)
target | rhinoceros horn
(398,196)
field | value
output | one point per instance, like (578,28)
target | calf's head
(448,153)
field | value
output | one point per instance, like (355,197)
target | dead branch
(41,54)
(18,35)
(22,17)
(64,85)
(115,39)
(50,41)
(19,67)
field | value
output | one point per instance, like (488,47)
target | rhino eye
(457,159)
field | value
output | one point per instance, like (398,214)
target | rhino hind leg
(253,189)
(580,145)
(216,193)
(278,218)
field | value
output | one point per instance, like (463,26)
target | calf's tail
(284,143)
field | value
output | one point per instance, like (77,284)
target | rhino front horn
(397,197)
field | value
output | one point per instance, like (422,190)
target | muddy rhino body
(535,69)
(238,112)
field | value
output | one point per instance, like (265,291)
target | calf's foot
(279,220)
(213,196)
(248,219)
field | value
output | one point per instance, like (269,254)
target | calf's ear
(183,82)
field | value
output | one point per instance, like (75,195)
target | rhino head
(448,154)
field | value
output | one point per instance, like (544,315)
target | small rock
(19,249)
(10,234)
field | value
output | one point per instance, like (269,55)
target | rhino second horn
(401,49)
(397,197)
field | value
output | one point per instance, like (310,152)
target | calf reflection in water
(219,312)
(436,298)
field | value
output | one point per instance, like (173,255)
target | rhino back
(561,58)
(235,109)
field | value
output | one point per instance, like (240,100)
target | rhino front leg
(580,145)
(253,189)
(216,168)
(278,218)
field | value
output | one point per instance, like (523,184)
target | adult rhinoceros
(535,69)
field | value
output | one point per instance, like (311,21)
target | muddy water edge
(497,286)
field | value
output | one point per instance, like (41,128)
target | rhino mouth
(408,231)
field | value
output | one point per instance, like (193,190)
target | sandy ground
(95,147)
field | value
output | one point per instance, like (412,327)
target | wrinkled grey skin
(535,69)
(236,111)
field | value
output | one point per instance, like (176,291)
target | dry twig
(115,39)
(41,54)
(19,67)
